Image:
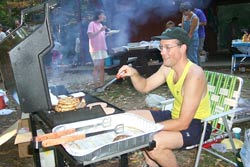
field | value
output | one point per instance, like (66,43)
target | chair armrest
(222,114)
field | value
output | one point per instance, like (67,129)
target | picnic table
(243,47)
(144,56)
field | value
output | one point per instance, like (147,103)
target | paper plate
(6,111)
(238,143)
(78,94)
(113,31)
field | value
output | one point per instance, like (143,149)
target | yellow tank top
(203,110)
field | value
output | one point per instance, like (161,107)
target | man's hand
(126,71)
(103,28)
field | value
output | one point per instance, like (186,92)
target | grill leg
(233,64)
(36,155)
(124,160)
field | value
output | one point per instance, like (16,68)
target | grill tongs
(67,135)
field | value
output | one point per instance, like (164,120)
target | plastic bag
(219,147)
(243,102)
(154,100)
(245,150)
(3,93)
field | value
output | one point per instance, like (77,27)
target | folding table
(244,47)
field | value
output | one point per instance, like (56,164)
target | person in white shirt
(77,51)
(2,34)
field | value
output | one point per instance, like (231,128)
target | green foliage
(8,16)
(225,15)
(3,13)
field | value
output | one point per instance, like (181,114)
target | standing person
(201,31)
(234,33)
(188,85)
(234,30)
(190,23)
(17,23)
(97,46)
(57,55)
(76,60)
(2,34)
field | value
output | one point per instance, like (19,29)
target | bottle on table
(242,67)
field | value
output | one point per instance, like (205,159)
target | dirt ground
(121,95)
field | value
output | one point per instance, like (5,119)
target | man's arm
(203,23)
(194,89)
(142,84)
(182,21)
(193,26)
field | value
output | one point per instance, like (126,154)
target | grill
(23,72)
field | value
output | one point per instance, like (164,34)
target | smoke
(65,30)
(126,15)
(121,13)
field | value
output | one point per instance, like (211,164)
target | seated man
(187,83)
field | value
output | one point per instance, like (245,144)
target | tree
(10,10)
(4,17)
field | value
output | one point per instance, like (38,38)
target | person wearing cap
(187,83)
(2,34)
(190,23)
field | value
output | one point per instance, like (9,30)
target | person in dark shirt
(201,30)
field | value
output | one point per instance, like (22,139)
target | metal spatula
(118,76)
(63,132)
(66,139)
(102,89)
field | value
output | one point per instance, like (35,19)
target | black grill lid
(22,67)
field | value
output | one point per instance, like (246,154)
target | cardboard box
(24,150)
(23,138)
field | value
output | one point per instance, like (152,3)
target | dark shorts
(192,135)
